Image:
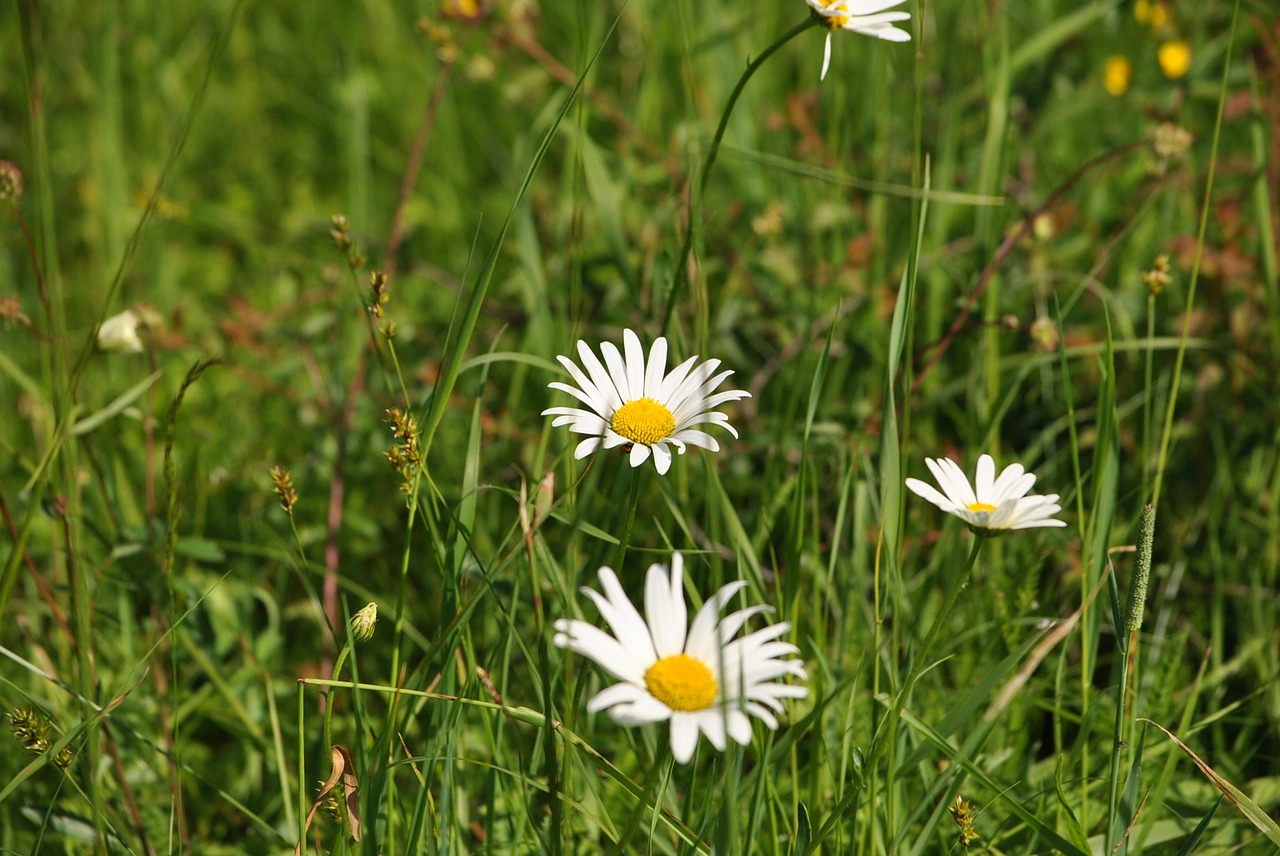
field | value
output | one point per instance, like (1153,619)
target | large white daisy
(866,17)
(992,505)
(691,675)
(636,402)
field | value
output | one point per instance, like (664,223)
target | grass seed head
(283,485)
(10,180)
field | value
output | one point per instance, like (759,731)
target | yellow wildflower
(1116,75)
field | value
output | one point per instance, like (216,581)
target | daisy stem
(681,277)
(922,658)
(941,618)
(328,700)
(630,520)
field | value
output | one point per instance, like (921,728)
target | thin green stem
(625,538)
(681,277)
(1147,414)
(1124,641)
(328,701)
(939,620)
(919,661)
(1166,435)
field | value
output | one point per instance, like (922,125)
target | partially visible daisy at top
(635,402)
(867,17)
(696,676)
(991,505)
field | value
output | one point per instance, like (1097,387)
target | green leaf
(116,407)
(1248,807)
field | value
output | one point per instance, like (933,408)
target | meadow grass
(358,236)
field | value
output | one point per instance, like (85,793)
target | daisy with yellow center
(636,402)
(991,505)
(866,17)
(690,675)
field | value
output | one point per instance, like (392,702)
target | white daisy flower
(120,333)
(866,17)
(637,403)
(992,505)
(691,675)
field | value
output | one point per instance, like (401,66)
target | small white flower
(638,403)
(992,505)
(691,675)
(120,333)
(866,17)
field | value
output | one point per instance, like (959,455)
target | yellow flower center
(643,421)
(681,683)
(835,22)
(980,506)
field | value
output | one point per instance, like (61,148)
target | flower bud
(363,622)
(120,333)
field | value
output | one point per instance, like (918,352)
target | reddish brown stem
(45,593)
(1006,247)
(414,165)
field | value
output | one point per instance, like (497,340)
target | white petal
(684,735)
(985,478)
(739,727)
(665,608)
(642,711)
(930,493)
(586,447)
(617,370)
(826,57)
(635,364)
(656,368)
(704,642)
(1004,486)
(623,693)
(712,723)
(762,714)
(605,386)
(697,438)
(733,622)
(639,454)
(616,608)
(673,381)
(593,643)
(661,457)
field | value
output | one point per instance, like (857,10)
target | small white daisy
(992,505)
(636,402)
(691,675)
(866,17)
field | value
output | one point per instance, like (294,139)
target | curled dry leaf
(344,770)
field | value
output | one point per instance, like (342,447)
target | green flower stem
(940,619)
(1126,641)
(328,701)
(630,520)
(922,657)
(681,276)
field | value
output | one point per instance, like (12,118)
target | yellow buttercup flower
(1116,75)
(1174,58)
(1152,14)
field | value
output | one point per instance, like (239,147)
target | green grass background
(159,608)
